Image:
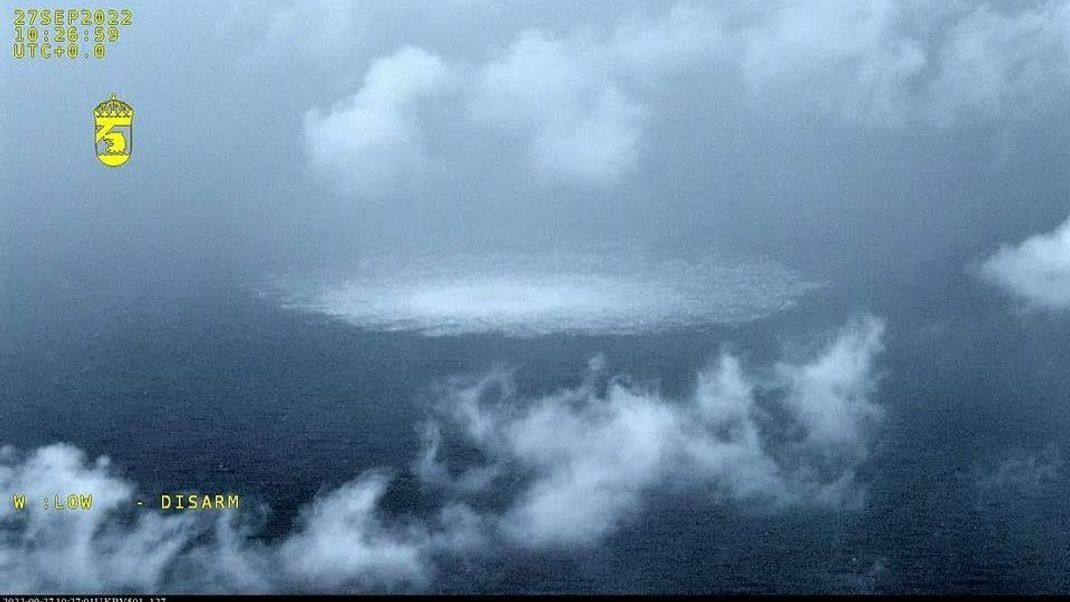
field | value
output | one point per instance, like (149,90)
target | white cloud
(573,100)
(997,65)
(594,455)
(844,58)
(83,550)
(581,126)
(643,49)
(372,144)
(596,145)
(340,543)
(571,467)
(892,62)
(576,99)
(580,102)
(1036,271)
(831,396)
(885,63)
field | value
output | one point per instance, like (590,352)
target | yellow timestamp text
(70,33)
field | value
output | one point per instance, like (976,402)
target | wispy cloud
(339,543)
(586,460)
(890,63)
(597,451)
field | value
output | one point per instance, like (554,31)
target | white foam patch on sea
(538,294)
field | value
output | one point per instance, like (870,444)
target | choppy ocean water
(214,386)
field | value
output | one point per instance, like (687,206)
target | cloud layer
(572,467)
(1037,271)
(580,102)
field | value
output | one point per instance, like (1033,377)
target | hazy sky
(831,135)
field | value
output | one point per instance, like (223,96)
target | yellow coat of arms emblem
(115,131)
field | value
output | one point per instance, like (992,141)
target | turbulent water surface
(528,295)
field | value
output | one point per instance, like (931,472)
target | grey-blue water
(199,382)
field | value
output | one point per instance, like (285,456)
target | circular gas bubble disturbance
(524,295)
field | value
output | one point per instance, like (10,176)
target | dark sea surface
(205,385)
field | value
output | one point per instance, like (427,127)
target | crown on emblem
(113,107)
